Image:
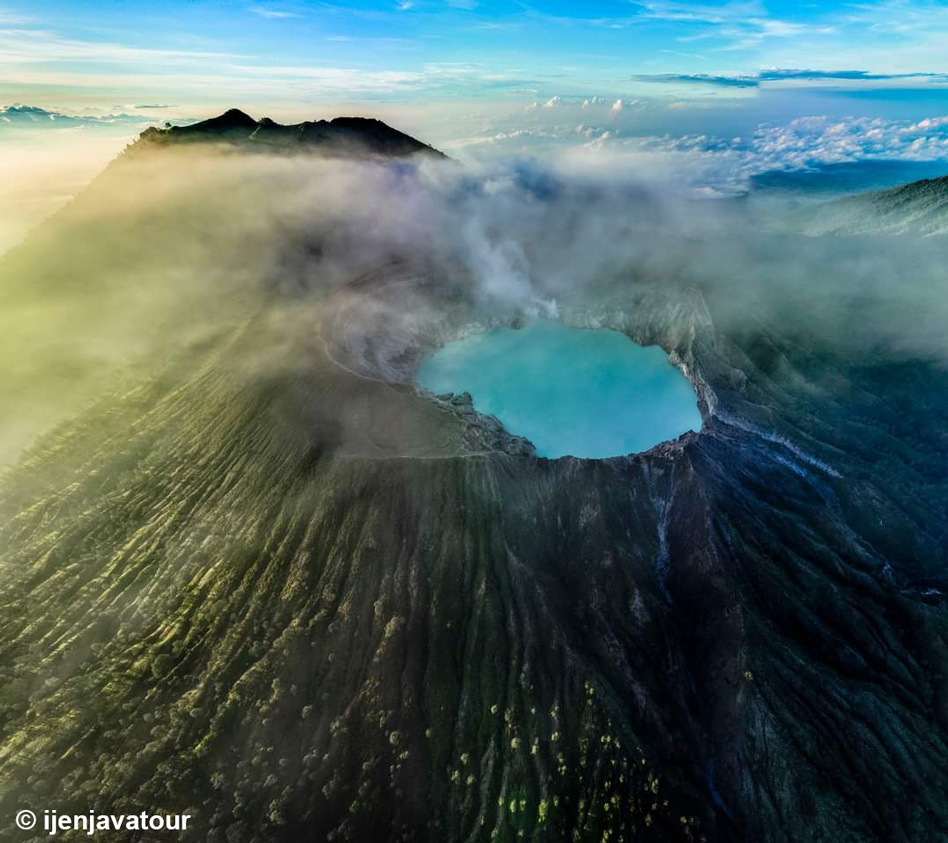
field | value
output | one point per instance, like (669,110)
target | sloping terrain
(920,207)
(271,583)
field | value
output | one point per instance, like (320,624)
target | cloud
(899,17)
(19,116)
(701,12)
(806,143)
(515,236)
(35,46)
(725,164)
(775,75)
(779,74)
(814,141)
(272,14)
(30,58)
(699,79)
(338,80)
(741,25)
(44,57)
(8,18)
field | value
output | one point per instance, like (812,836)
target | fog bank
(167,250)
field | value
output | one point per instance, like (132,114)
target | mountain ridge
(347,137)
(919,207)
(20,115)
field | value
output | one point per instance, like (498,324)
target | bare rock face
(276,586)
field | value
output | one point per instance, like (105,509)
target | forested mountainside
(918,207)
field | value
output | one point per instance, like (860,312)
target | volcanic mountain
(256,575)
(341,137)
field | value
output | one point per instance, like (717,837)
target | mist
(165,253)
(42,170)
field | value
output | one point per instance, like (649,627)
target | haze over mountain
(48,155)
(250,571)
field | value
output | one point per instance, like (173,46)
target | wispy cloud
(741,24)
(272,14)
(699,79)
(731,12)
(370,39)
(19,46)
(780,74)
(382,50)
(10,18)
(39,57)
(684,55)
(618,22)
(777,75)
(900,17)
(334,80)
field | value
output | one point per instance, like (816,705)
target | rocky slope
(273,584)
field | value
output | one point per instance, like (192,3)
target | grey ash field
(252,573)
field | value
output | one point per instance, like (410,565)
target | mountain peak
(231,120)
(342,137)
(234,117)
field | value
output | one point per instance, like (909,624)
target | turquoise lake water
(570,391)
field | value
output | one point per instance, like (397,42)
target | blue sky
(194,52)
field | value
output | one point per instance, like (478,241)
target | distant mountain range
(32,116)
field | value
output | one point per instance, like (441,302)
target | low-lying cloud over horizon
(48,155)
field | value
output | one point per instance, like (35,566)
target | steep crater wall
(382,326)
